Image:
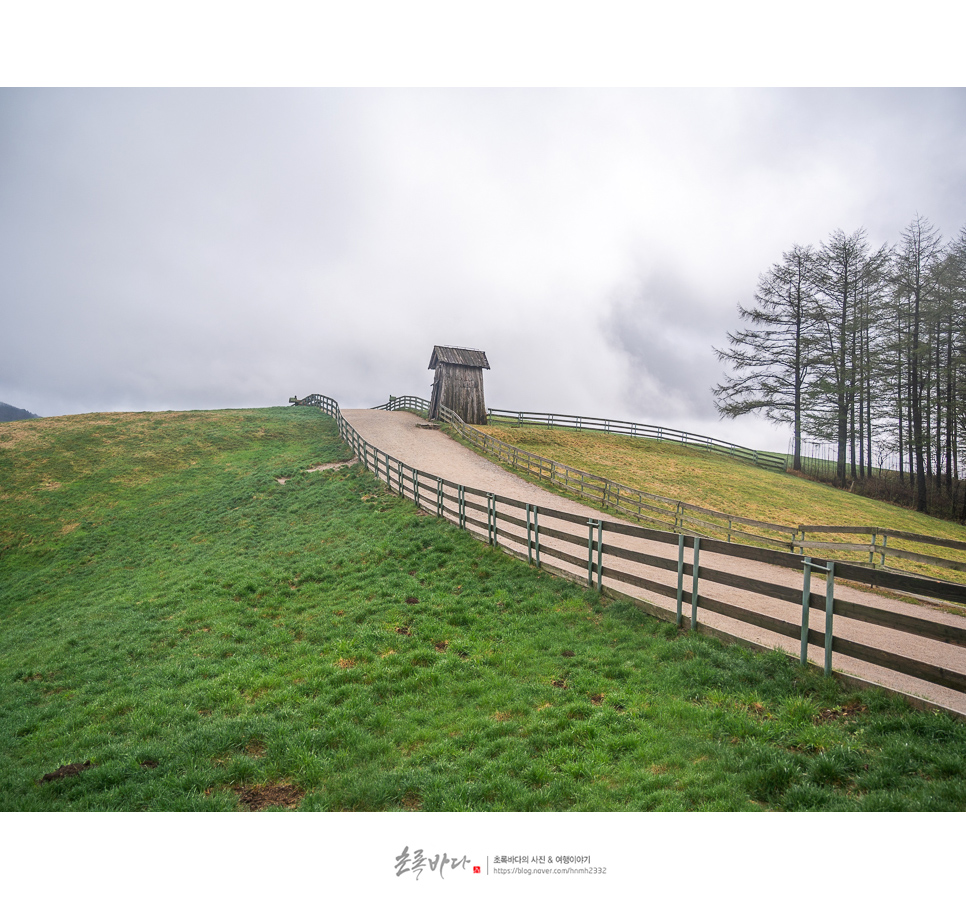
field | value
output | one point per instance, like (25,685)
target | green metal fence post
(694,584)
(529,542)
(680,577)
(806,595)
(600,555)
(536,533)
(590,554)
(829,604)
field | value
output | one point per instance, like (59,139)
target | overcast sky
(169,249)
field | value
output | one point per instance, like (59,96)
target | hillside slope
(179,630)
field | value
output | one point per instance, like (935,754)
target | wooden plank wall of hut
(461,389)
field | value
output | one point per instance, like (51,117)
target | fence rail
(615,556)
(764,459)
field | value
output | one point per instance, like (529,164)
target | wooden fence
(764,459)
(858,545)
(681,576)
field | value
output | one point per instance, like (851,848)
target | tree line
(863,347)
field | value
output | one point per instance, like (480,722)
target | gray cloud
(174,248)
(662,328)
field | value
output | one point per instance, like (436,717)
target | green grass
(173,614)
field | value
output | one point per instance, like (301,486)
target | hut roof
(467,357)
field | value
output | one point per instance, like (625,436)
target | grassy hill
(185,632)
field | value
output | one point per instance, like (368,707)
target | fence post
(694,585)
(491,516)
(529,543)
(680,577)
(829,604)
(399,473)
(462,508)
(806,596)
(885,543)
(536,533)
(590,553)
(439,497)
(600,555)
(872,549)
(416,487)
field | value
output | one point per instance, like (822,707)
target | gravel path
(435,453)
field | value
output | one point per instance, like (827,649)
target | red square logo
(476,870)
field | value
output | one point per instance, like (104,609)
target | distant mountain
(13,414)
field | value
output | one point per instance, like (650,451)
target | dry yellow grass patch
(717,482)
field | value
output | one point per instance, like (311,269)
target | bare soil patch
(270,795)
(337,465)
(68,769)
(841,713)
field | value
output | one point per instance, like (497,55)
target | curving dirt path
(431,451)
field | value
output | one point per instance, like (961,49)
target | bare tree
(846,272)
(772,357)
(919,250)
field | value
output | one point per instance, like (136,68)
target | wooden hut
(458,383)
